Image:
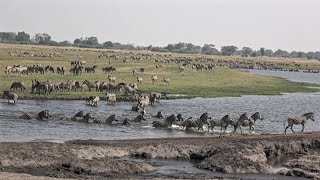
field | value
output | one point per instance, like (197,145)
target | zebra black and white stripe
(109,120)
(11,97)
(164,123)
(245,121)
(41,115)
(298,120)
(223,123)
(198,123)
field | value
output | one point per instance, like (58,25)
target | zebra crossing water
(274,109)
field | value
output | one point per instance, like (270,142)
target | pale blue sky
(285,24)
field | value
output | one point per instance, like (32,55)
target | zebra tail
(284,123)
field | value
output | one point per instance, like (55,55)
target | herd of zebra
(159,121)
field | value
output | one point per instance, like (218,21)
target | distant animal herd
(111,88)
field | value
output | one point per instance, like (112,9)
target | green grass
(217,83)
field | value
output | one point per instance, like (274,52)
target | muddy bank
(107,159)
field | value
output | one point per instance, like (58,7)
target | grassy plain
(220,82)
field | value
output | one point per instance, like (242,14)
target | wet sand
(229,156)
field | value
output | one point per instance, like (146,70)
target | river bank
(234,155)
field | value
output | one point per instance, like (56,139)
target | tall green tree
(22,36)
(7,36)
(262,53)
(246,51)
(228,50)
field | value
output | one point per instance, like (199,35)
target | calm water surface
(292,76)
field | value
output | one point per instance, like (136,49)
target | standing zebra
(190,123)
(10,97)
(298,120)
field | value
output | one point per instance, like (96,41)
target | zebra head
(159,114)
(126,121)
(179,117)
(172,118)
(256,116)
(44,114)
(88,116)
(226,118)
(204,118)
(112,118)
(309,115)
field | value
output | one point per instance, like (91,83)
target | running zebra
(40,116)
(223,123)
(12,98)
(164,123)
(245,121)
(190,123)
(298,120)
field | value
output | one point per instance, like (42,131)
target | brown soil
(106,159)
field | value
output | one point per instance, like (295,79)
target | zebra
(40,116)
(88,118)
(166,81)
(223,123)
(164,123)
(109,120)
(189,123)
(16,85)
(245,121)
(154,79)
(10,97)
(138,119)
(298,120)
(180,121)
(179,117)
(159,115)
(90,85)
(112,79)
(139,80)
(95,101)
(111,98)
(126,122)
(80,114)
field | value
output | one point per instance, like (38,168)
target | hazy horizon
(273,24)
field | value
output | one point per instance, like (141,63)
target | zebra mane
(204,116)
(308,114)
(225,117)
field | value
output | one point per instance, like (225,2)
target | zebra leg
(212,127)
(302,127)
(285,131)
(292,129)
(235,128)
(240,129)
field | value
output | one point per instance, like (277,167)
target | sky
(273,24)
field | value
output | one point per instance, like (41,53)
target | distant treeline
(181,47)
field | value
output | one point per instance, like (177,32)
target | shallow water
(292,76)
(189,169)
(275,110)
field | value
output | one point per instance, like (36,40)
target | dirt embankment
(233,154)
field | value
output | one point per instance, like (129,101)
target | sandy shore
(116,158)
